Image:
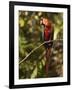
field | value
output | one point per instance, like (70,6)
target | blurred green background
(30,36)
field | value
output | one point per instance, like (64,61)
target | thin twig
(37,48)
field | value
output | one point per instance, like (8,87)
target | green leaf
(40,65)
(43,62)
(34,73)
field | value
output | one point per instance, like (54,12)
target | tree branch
(37,48)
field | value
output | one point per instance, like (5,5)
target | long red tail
(48,53)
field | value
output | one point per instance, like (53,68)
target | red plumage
(47,33)
(47,28)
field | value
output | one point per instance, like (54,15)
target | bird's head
(45,22)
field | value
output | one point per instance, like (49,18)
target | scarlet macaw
(48,35)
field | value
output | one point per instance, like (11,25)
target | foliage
(30,36)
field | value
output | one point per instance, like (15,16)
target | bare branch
(37,48)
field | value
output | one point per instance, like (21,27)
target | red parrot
(48,35)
